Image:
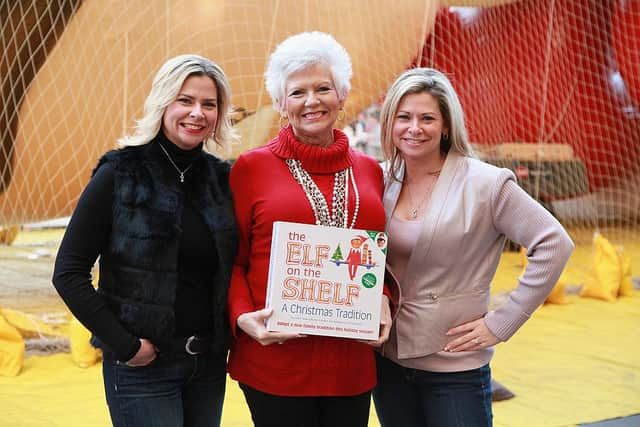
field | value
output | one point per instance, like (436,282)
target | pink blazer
(474,207)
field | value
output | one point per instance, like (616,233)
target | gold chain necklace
(413,209)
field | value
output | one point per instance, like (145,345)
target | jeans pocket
(134,380)
(148,365)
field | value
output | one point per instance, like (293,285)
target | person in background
(356,134)
(448,215)
(313,177)
(159,214)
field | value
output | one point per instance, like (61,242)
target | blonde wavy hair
(435,83)
(164,90)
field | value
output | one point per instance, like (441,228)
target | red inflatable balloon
(541,71)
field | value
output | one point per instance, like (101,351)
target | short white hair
(302,51)
(165,88)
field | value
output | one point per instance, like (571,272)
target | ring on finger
(476,341)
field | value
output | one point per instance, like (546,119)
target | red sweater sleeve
(240,300)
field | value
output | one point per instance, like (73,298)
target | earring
(445,136)
(344,113)
(283,122)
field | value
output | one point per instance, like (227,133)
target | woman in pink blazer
(448,215)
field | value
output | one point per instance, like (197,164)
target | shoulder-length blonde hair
(166,87)
(435,83)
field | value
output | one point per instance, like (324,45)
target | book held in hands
(326,280)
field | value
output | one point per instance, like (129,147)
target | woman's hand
(146,354)
(385,323)
(476,337)
(253,324)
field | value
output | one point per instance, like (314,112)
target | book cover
(326,280)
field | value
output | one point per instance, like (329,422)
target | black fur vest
(138,269)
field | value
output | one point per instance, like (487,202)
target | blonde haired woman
(448,215)
(159,214)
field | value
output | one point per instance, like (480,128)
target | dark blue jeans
(407,397)
(173,391)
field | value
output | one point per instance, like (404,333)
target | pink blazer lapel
(437,204)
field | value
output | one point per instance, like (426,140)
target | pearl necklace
(339,217)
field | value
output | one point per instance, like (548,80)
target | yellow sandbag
(603,280)
(626,284)
(82,352)
(523,257)
(8,234)
(11,349)
(557,295)
(31,326)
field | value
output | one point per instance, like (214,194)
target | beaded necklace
(339,217)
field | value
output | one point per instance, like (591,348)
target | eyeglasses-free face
(191,117)
(312,104)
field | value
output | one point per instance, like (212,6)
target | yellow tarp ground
(572,364)
(569,364)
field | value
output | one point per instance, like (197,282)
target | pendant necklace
(414,209)
(181,172)
(339,217)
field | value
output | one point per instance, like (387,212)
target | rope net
(550,88)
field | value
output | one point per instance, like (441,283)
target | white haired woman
(310,380)
(448,215)
(159,214)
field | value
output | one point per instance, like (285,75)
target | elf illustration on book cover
(359,254)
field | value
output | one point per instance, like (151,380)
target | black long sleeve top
(87,235)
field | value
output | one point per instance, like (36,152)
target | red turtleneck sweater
(265,191)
